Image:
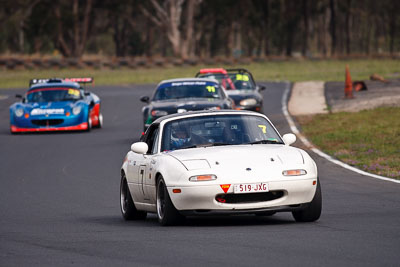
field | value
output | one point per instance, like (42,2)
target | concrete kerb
(307,98)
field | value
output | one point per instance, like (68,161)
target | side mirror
(139,147)
(87,93)
(289,139)
(145,99)
(18,96)
(261,88)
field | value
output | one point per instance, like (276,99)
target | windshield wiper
(218,144)
(265,142)
(186,97)
(208,145)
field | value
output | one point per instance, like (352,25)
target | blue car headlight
(19,112)
(76,110)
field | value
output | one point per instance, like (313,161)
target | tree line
(200,28)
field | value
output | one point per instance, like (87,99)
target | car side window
(155,143)
(151,138)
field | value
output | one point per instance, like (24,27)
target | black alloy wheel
(128,209)
(167,214)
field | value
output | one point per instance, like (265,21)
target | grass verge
(324,70)
(368,140)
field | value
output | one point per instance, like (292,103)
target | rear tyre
(313,211)
(167,214)
(128,209)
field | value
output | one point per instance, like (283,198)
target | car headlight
(19,112)
(206,177)
(248,102)
(158,113)
(294,172)
(76,110)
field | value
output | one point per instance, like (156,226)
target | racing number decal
(242,77)
(73,92)
(210,89)
(263,128)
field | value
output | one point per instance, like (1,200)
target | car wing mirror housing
(139,147)
(145,99)
(289,138)
(261,88)
(23,100)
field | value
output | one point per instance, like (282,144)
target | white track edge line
(294,129)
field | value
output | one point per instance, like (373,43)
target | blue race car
(56,105)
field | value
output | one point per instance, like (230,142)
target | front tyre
(313,211)
(89,123)
(128,209)
(167,214)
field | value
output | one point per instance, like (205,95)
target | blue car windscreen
(187,89)
(53,95)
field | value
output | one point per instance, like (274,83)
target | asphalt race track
(59,205)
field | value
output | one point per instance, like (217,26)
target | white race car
(217,162)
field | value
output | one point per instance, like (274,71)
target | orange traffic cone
(348,86)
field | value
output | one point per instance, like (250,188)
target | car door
(149,181)
(146,168)
(135,170)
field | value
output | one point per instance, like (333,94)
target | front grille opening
(50,122)
(248,197)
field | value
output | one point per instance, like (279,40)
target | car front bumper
(50,123)
(81,127)
(202,198)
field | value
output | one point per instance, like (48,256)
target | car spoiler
(59,80)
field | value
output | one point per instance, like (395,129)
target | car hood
(51,106)
(241,156)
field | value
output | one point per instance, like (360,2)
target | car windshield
(187,89)
(232,81)
(53,94)
(218,130)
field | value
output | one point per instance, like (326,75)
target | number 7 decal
(263,128)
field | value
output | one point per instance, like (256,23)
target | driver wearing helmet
(179,138)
